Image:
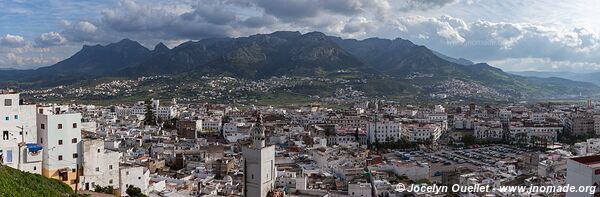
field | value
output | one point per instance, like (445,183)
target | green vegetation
(17,183)
(150,118)
(106,190)
(134,192)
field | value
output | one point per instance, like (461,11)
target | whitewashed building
(59,134)
(100,166)
(488,130)
(384,131)
(136,176)
(18,142)
(421,132)
(212,124)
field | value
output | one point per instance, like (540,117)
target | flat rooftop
(592,161)
(9,91)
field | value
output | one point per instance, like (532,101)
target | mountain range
(591,77)
(290,53)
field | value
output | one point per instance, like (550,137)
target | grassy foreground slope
(17,183)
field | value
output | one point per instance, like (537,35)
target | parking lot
(471,158)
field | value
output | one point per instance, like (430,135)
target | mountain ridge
(289,53)
(591,77)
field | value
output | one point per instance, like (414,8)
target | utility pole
(76,177)
(20,147)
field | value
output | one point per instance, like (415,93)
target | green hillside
(17,183)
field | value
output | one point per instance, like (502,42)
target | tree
(106,190)
(150,118)
(170,124)
(468,139)
(134,192)
(357,135)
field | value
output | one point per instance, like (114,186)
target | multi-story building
(360,190)
(189,128)
(540,132)
(597,124)
(349,122)
(235,131)
(421,132)
(583,172)
(59,133)
(580,123)
(100,166)
(538,117)
(140,108)
(383,131)
(135,176)
(488,130)
(212,124)
(18,144)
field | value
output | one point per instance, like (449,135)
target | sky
(514,35)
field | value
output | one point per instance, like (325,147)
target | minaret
(258,133)
(259,163)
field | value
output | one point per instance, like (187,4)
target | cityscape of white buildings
(201,149)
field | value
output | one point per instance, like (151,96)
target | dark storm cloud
(260,21)
(297,9)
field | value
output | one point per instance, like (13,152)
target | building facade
(59,134)
(384,131)
(18,142)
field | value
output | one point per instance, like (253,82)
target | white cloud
(50,39)
(485,41)
(502,32)
(544,64)
(10,40)
(20,61)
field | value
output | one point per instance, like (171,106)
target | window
(64,175)
(74,125)
(7,102)
(139,178)
(43,126)
(110,181)
(41,140)
(74,140)
(98,150)
(127,173)
(75,155)
(60,157)
(59,126)
(5,135)
(97,169)
(60,142)
(110,167)
(6,118)
(16,117)
(34,168)
(9,156)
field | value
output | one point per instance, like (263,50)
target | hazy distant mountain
(592,77)
(455,60)
(293,54)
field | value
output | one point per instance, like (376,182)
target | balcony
(34,153)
